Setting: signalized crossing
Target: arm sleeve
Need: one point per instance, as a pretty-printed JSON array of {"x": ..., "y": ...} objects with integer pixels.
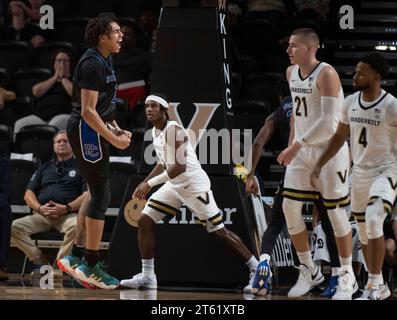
[
  {"x": 322, "y": 129},
  {"x": 391, "y": 113},
  {"x": 90, "y": 75}
]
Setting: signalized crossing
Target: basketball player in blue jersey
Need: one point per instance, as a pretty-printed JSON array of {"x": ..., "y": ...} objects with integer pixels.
[
  {"x": 185, "y": 182},
  {"x": 317, "y": 98},
  {"x": 369, "y": 117},
  {"x": 90, "y": 129},
  {"x": 278, "y": 125}
]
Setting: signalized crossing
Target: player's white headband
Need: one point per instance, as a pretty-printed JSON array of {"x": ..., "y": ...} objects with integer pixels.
[{"x": 161, "y": 101}]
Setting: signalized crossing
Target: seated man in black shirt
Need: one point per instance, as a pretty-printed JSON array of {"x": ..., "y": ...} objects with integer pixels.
[{"x": 55, "y": 193}]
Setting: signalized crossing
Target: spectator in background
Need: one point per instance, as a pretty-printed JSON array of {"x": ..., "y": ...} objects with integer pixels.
[
  {"x": 148, "y": 24},
  {"x": 6, "y": 114},
  {"x": 272, "y": 10},
  {"x": 55, "y": 193},
  {"x": 133, "y": 67},
  {"x": 20, "y": 29},
  {"x": 32, "y": 11},
  {"x": 234, "y": 14},
  {"x": 3, "y": 14},
  {"x": 52, "y": 95},
  {"x": 5, "y": 96},
  {"x": 5, "y": 216},
  {"x": 317, "y": 9}
]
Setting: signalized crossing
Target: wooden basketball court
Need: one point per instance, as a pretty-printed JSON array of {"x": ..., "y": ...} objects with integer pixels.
[{"x": 67, "y": 289}]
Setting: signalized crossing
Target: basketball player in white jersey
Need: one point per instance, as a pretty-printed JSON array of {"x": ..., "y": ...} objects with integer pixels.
[
  {"x": 185, "y": 183},
  {"x": 369, "y": 117},
  {"x": 317, "y": 98}
]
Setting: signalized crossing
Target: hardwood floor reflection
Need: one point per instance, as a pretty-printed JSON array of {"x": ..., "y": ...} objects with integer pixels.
[{"x": 66, "y": 289}]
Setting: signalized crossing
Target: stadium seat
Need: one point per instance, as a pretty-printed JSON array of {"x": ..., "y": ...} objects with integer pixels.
[
  {"x": 25, "y": 79},
  {"x": 128, "y": 8},
  {"x": 263, "y": 87},
  {"x": 71, "y": 29},
  {"x": 15, "y": 55},
  {"x": 18, "y": 108},
  {"x": 4, "y": 77},
  {"x": 5, "y": 140},
  {"x": 53, "y": 237},
  {"x": 62, "y": 9},
  {"x": 91, "y": 8},
  {"x": 36, "y": 139},
  {"x": 21, "y": 172},
  {"x": 257, "y": 37}
]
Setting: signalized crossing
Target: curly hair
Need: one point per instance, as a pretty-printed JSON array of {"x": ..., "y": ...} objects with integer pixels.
[
  {"x": 377, "y": 62},
  {"x": 99, "y": 26}
]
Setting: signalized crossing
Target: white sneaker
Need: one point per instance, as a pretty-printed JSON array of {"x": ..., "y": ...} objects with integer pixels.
[
  {"x": 347, "y": 285},
  {"x": 380, "y": 293},
  {"x": 140, "y": 281},
  {"x": 306, "y": 281},
  {"x": 248, "y": 287}
]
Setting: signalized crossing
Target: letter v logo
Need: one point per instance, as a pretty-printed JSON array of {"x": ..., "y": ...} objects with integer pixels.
[
  {"x": 199, "y": 122},
  {"x": 342, "y": 178},
  {"x": 206, "y": 200},
  {"x": 393, "y": 185}
]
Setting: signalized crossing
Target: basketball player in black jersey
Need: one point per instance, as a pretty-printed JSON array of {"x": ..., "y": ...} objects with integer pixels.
[{"x": 91, "y": 128}]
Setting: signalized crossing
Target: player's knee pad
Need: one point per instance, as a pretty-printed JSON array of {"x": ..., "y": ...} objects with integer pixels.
[
  {"x": 374, "y": 217},
  {"x": 100, "y": 199},
  {"x": 293, "y": 216},
  {"x": 362, "y": 233},
  {"x": 339, "y": 221}
]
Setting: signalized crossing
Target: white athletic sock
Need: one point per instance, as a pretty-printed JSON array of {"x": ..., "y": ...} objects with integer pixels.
[
  {"x": 148, "y": 267},
  {"x": 345, "y": 261},
  {"x": 334, "y": 272},
  {"x": 306, "y": 259},
  {"x": 375, "y": 280},
  {"x": 252, "y": 263}
]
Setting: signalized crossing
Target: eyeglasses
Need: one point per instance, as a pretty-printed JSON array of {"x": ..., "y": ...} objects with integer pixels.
[{"x": 60, "y": 171}]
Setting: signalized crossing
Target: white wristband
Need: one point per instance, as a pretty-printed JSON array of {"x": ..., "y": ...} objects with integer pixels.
[{"x": 161, "y": 178}]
